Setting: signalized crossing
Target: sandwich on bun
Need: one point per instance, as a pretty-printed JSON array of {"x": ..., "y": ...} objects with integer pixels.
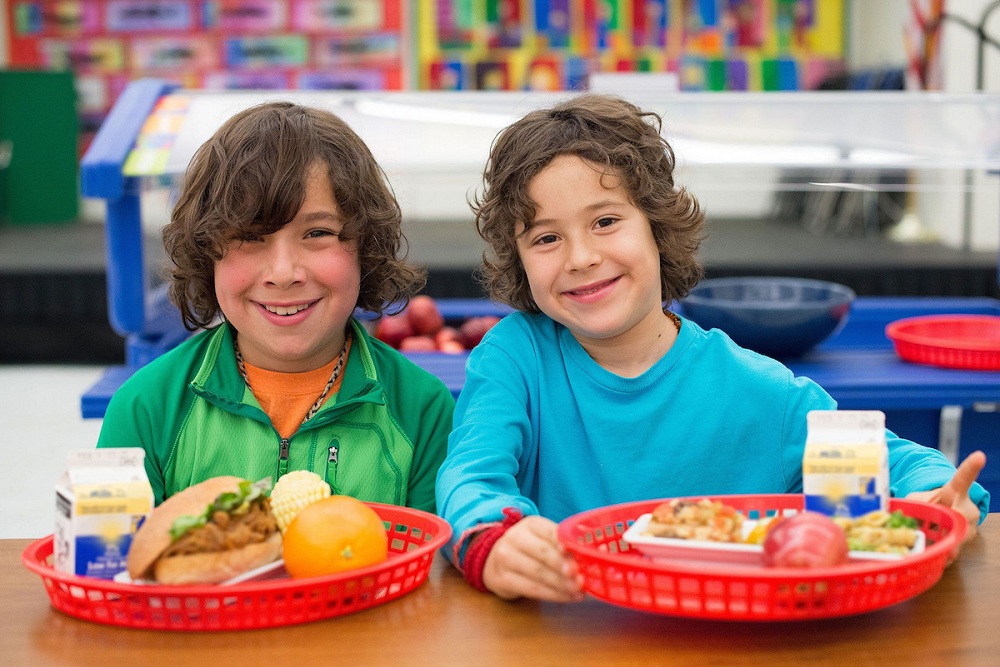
[{"x": 206, "y": 534}]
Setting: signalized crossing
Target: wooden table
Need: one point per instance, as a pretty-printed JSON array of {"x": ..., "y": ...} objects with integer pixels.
[{"x": 444, "y": 622}]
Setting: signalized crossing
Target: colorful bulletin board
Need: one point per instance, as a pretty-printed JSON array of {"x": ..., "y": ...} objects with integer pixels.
[
  {"x": 556, "y": 44},
  {"x": 424, "y": 44},
  {"x": 273, "y": 44}
]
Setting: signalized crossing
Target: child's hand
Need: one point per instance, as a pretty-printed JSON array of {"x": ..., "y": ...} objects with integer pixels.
[
  {"x": 528, "y": 561},
  {"x": 955, "y": 494}
]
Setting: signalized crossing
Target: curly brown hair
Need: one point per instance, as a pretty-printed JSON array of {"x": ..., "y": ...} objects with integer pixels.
[
  {"x": 250, "y": 178},
  {"x": 620, "y": 139}
]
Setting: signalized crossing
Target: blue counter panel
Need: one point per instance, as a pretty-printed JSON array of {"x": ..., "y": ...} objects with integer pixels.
[
  {"x": 865, "y": 379},
  {"x": 857, "y": 366}
]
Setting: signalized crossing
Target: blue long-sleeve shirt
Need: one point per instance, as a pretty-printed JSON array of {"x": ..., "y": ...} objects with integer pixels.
[{"x": 542, "y": 427}]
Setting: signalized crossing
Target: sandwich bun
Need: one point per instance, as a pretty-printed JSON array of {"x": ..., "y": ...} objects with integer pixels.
[
  {"x": 211, "y": 568},
  {"x": 153, "y": 539}
]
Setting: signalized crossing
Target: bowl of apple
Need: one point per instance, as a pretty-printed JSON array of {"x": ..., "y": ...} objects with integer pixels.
[{"x": 429, "y": 325}]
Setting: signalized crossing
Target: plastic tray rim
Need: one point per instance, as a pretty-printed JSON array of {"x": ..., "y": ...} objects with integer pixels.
[
  {"x": 109, "y": 602},
  {"x": 899, "y": 331}
]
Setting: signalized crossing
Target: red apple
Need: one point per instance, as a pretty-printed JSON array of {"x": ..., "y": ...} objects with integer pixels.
[
  {"x": 808, "y": 539},
  {"x": 447, "y": 334},
  {"x": 451, "y": 347},
  {"x": 424, "y": 315},
  {"x": 417, "y": 344},
  {"x": 392, "y": 329},
  {"x": 474, "y": 328}
]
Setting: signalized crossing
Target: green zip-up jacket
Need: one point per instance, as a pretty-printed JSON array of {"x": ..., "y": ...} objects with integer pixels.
[{"x": 381, "y": 438}]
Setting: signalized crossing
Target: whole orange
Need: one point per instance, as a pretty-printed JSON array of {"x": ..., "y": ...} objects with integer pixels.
[{"x": 332, "y": 535}]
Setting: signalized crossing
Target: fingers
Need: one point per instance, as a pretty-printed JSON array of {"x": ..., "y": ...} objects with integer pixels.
[
  {"x": 956, "y": 490},
  {"x": 516, "y": 585},
  {"x": 967, "y": 473},
  {"x": 955, "y": 493},
  {"x": 528, "y": 561}
]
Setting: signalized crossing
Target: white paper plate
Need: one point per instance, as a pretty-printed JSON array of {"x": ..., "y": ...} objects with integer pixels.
[
  {"x": 275, "y": 570},
  {"x": 671, "y": 548}
]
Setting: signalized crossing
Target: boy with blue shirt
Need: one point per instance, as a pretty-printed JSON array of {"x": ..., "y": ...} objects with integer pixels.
[{"x": 592, "y": 394}]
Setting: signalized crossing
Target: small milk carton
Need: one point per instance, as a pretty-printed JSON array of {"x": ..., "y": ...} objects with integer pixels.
[
  {"x": 845, "y": 468},
  {"x": 100, "y": 501}
]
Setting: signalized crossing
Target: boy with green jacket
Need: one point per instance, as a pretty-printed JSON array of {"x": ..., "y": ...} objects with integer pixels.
[{"x": 284, "y": 226}]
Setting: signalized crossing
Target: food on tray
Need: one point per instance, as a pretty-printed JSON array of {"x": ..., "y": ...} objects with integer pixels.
[
  {"x": 759, "y": 531},
  {"x": 807, "y": 539},
  {"x": 710, "y": 531},
  {"x": 880, "y": 532},
  {"x": 207, "y": 533},
  {"x": 698, "y": 520},
  {"x": 293, "y": 492},
  {"x": 334, "y": 535}
]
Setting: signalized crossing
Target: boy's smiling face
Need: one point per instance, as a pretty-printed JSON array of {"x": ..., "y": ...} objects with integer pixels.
[
  {"x": 590, "y": 256},
  {"x": 289, "y": 294}
]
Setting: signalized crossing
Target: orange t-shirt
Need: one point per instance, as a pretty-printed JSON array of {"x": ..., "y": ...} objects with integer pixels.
[{"x": 287, "y": 397}]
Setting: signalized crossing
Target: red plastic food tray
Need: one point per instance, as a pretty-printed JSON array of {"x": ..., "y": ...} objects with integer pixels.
[
  {"x": 414, "y": 537},
  {"x": 622, "y": 576},
  {"x": 953, "y": 341}
]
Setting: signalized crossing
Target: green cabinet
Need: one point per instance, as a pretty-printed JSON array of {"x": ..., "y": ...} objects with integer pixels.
[{"x": 39, "y": 160}]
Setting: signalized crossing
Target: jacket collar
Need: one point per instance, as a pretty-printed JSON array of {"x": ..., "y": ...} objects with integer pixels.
[{"x": 219, "y": 381}]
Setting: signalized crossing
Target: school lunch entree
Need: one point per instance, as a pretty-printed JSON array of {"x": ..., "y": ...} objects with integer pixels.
[
  {"x": 801, "y": 539},
  {"x": 225, "y": 528},
  {"x": 206, "y": 534}
]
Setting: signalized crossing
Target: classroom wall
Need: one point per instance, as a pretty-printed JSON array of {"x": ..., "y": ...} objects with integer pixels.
[{"x": 875, "y": 29}]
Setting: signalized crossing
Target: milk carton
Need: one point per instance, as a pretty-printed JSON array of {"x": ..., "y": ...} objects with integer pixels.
[
  {"x": 100, "y": 501},
  {"x": 845, "y": 468}
]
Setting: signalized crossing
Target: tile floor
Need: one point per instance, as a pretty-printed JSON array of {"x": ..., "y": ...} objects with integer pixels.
[{"x": 39, "y": 423}]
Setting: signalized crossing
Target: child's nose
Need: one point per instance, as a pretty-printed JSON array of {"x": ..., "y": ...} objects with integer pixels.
[
  {"x": 284, "y": 266},
  {"x": 583, "y": 253}
]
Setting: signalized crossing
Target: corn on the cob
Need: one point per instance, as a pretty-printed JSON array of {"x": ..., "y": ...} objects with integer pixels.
[{"x": 293, "y": 492}]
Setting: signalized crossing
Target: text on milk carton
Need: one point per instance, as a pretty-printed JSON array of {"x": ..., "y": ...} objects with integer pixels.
[
  {"x": 101, "y": 500},
  {"x": 845, "y": 468}
]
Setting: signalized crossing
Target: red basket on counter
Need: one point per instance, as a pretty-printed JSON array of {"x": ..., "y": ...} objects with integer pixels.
[
  {"x": 615, "y": 573},
  {"x": 414, "y": 537},
  {"x": 952, "y": 341}
]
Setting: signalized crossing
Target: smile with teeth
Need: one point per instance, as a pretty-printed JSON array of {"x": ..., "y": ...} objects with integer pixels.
[
  {"x": 591, "y": 289},
  {"x": 286, "y": 310}
]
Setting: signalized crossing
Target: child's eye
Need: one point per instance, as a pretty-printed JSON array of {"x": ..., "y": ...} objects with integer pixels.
[
  {"x": 606, "y": 222},
  {"x": 320, "y": 233},
  {"x": 249, "y": 237},
  {"x": 545, "y": 239}
]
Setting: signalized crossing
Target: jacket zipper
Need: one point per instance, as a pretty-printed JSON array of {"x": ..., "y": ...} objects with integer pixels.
[
  {"x": 285, "y": 445},
  {"x": 283, "y": 457},
  {"x": 332, "y": 462}
]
